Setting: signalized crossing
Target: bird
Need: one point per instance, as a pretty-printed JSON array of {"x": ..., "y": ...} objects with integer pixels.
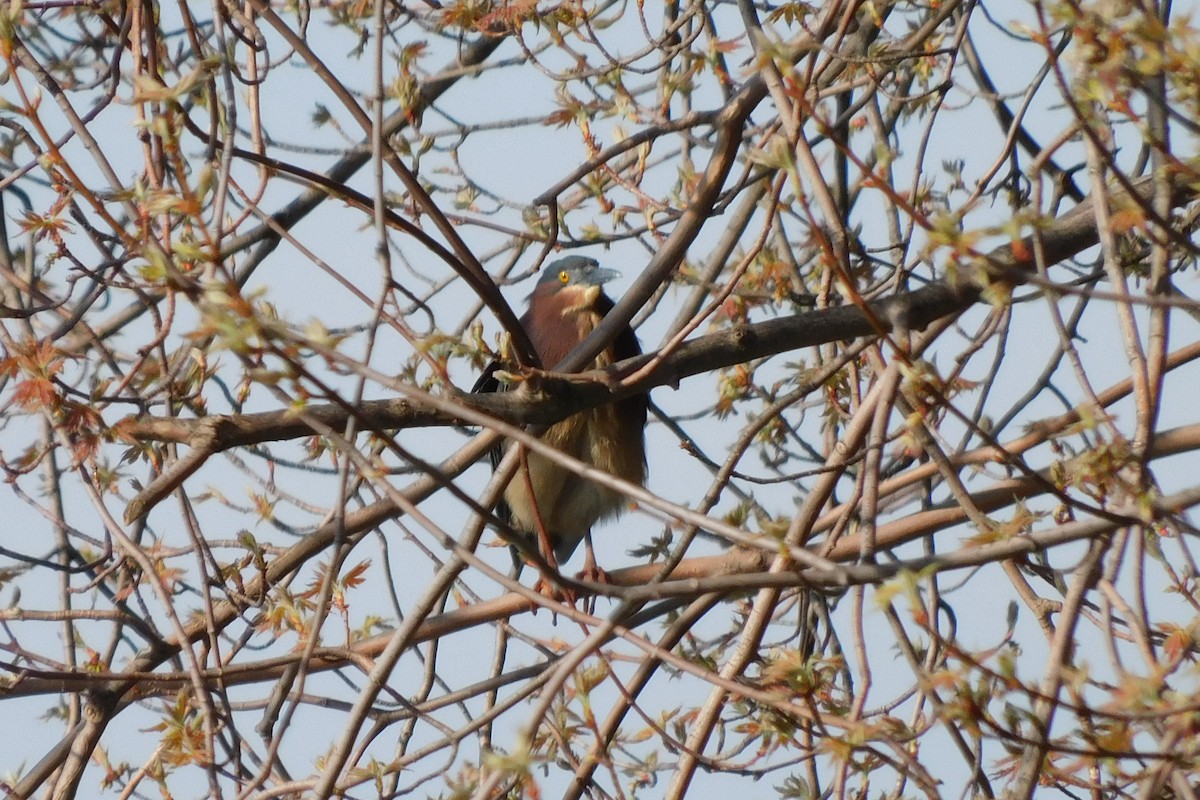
[{"x": 545, "y": 501}]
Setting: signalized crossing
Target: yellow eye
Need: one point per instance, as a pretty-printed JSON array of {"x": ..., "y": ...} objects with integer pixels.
[{"x": 564, "y": 277}]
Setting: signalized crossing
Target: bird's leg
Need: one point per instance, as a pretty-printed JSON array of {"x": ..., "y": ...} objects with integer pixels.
[
  {"x": 544, "y": 544},
  {"x": 591, "y": 570},
  {"x": 546, "y": 547}
]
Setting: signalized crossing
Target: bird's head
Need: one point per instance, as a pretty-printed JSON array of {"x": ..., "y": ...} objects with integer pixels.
[{"x": 570, "y": 284}]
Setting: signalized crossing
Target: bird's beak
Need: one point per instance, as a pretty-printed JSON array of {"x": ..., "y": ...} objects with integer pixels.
[{"x": 602, "y": 275}]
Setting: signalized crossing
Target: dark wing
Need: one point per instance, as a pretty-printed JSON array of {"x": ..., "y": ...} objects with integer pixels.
[
  {"x": 487, "y": 384},
  {"x": 635, "y": 409}
]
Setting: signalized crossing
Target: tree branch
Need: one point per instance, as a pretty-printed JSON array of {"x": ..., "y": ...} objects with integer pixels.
[{"x": 552, "y": 398}]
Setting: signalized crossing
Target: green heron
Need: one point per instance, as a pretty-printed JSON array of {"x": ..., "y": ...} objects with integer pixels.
[{"x": 544, "y": 500}]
